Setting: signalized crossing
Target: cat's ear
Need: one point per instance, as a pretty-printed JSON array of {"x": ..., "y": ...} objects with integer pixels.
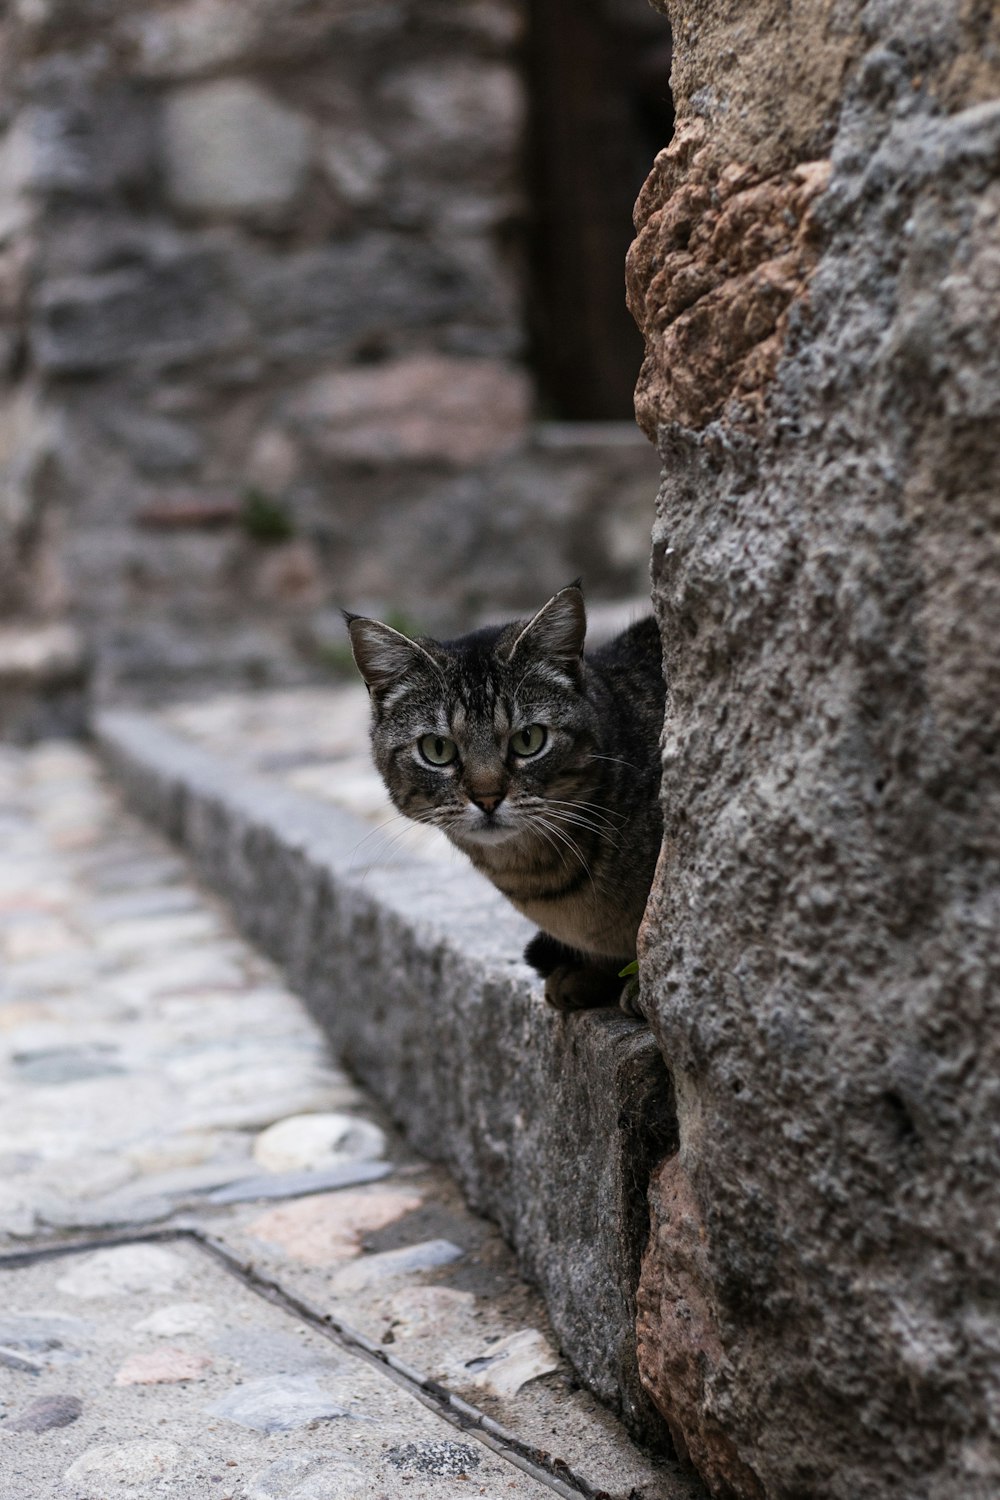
[
  {"x": 558, "y": 630},
  {"x": 383, "y": 655}
]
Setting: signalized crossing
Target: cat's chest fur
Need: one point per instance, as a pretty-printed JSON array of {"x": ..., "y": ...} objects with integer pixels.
[{"x": 587, "y": 921}]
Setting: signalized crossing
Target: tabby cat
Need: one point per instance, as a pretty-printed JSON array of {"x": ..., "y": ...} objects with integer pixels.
[{"x": 539, "y": 763}]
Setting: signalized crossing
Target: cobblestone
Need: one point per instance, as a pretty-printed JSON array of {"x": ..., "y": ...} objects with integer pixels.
[{"x": 156, "y": 1070}]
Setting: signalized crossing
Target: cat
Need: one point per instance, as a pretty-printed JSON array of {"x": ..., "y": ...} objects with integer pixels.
[{"x": 542, "y": 765}]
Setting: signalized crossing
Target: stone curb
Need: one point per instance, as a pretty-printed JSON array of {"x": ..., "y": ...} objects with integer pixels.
[{"x": 549, "y": 1124}]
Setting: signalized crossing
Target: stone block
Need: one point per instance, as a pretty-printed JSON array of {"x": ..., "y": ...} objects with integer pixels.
[
  {"x": 171, "y": 310},
  {"x": 355, "y": 163},
  {"x": 201, "y": 37},
  {"x": 80, "y": 143},
  {"x": 428, "y": 408},
  {"x": 459, "y": 113},
  {"x": 231, "y": 150},
  {"x": 156, "y": 445},
  {"x": 369, "y": 294}
]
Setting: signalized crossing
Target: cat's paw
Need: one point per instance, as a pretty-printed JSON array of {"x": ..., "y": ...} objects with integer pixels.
[{"x": 580, "y": 987}]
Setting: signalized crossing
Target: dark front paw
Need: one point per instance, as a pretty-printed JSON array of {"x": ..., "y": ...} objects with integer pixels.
[{"x": 581, "y": 987}]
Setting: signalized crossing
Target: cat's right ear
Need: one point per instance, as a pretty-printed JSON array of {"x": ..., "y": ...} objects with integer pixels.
[
  {"x": 558, "y": 629},
  {"x": 383, "y": 655}
]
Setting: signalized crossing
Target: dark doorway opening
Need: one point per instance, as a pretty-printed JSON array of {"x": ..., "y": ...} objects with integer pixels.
[{"x": 599, "y": 81}]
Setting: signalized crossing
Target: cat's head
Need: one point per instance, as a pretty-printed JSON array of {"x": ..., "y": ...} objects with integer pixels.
[{"x": 487, "y": 736}]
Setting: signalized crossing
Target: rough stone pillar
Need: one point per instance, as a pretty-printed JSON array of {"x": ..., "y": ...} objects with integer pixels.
[{"x": 817, "y": 273}]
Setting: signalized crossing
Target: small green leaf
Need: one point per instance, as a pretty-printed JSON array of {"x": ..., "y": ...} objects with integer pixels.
[{"x": 632, "y": 968}]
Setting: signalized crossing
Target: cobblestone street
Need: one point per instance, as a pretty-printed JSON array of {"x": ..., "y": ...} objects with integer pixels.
[{"x": 224, "y": 1275}]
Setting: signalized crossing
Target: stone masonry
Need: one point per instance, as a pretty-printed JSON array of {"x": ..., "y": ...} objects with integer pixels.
[
  {"x": 263, "y": 335},
  {"x": 817, "y": 273}
]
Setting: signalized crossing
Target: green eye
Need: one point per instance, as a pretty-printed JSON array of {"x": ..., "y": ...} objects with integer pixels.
[
  {"x": 530, "y": 740},
  {"x": 438, "y": 750}
]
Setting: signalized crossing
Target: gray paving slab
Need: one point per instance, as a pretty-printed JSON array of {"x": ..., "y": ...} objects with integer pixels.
[
  {"x": 411, "y": 963},
  {"x": 247, "y": 1401},
  {"x": 301, "y": 1307}
]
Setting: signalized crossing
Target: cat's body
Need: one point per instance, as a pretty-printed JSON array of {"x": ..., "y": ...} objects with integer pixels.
[{"x": 539, "y": 763}]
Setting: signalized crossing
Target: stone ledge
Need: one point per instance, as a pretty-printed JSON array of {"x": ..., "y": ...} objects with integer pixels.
[{"x": 549, "y": 1124}]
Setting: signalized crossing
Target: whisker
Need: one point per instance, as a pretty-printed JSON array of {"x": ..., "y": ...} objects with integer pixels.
[
  {"x": 615, "y": 760},
  {"x": 569, "y": 812},
  {"x": 595, "y": 829},
  {"x": 429, "y": 818},
  {"x": 570, "y": 843},
  {"x": 552, "y": 845},
  {"x": 585, "y": 809}
]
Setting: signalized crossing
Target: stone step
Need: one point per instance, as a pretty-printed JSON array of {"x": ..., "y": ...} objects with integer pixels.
[{"x": 412, "y": 966}]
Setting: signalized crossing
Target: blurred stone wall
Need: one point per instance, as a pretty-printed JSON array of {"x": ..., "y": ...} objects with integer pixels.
[
  {"x": 263, "y": 334},
  {"x": 817, "y": 272}
]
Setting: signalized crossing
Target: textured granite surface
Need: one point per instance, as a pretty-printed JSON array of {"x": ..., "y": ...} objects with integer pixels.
[{"x": 817, "y": 1313}]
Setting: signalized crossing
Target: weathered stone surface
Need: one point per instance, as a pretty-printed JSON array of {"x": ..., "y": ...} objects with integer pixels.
[
  {"x": 167, "y": 1366},
  {"x": 818, "y": 958},
  {"x": 355, "y": 162},
  {"x": 370, "y": 1270},
  {"x": 231, "y": 149},
  {"x": 122, "y": 1270},
  {"x": 327, "y": 1228},
  {"x": 679, "y": 1346},
  {"x": 280, "y": 1403},
  {"x": 424, "y": 407},
  {"x": 179, "y": 1318},
  {"x": 300, "y": 1184},
  {"x": 719, "y": 259},
  {"x": 511, "y": 1362},
  {"x": 125, "y": 1465},
  {"x": 312, "y": 1142},
  {"x": 46, "y": 1413},
  {"x": 298, "y": 1476},
  {"x": 173, "y": 310},
  {"x": 375, "y": 290},
  {"x": 549, "y": 1125},
  {"x": 457, "y": 115}
]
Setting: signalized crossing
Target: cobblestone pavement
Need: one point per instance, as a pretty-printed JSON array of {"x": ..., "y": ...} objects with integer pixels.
[{"x": 263, "y": 1274}]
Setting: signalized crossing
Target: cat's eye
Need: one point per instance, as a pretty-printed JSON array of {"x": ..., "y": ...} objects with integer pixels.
[
  {"x": 530, "y": 740},
  {"x": 437, "y": 749}
]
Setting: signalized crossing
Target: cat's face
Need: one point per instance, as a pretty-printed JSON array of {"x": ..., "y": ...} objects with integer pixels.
[{"x": 489, "y": 737}]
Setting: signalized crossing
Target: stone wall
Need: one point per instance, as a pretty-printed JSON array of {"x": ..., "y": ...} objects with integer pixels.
[
  {"x": 817, "y": 273},
  {"x": 262, "y": 333}
]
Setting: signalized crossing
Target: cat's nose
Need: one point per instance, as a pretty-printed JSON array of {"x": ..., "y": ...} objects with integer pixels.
[{"x": 488, "y": 801}]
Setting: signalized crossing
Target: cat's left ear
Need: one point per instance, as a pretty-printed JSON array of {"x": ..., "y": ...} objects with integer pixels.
[
  {"x": 558, "y": 630},
  {"x": 383, "y": 655}
]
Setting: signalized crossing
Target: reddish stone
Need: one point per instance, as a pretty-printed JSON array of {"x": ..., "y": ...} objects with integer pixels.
[
  {"x": 328, "y": 1227},
  {"x": 718, "y": 260},
  {"x": 162, "y": 1367},
  {"x": 189, "y": 511},
  {"x": 679, "y": 1348}
]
